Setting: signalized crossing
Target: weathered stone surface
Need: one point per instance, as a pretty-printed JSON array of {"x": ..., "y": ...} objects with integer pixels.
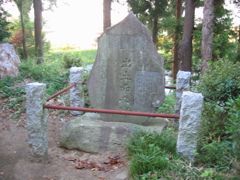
[
  {"x": 89, "y": 133},
  {"x": 183, "y": 84},
  {"x": 128, "y": 72},
  {"x": 76, "y": 92},
  {"x": 36, "y": 122},
  {"x": 190, "y": 121},
  {"x": 9, "y": 60}
]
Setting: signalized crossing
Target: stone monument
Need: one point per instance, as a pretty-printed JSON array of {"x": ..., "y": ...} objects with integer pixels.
[
  {"x": 128, "y": 73},
  {"x": 9, "y": 61}
]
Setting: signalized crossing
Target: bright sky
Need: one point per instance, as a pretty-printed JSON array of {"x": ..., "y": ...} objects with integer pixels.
[{"x": 79, "y": 23}]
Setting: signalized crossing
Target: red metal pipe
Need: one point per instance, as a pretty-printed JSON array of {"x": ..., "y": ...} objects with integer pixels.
[
  {"x": 60, "y": 92},
  {"x": 170, "y": 87},
  {"x": 113, "y": 111}
]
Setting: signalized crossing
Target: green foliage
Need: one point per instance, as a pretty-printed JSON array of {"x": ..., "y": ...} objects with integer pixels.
[
  {"x": 220, "y": 82},
  {"x": 52, "y": 73},
  {"x": 150, "y": 152},
  {"x": 4, "y": 24},
  {"x": 7, "y": 88},
  {"x": 16, "y": 38},
  {"x": 219, "y": 143},
  {"x": 88, "y": 56},
  {"x": 168, "y": 106},
  {"x": 233, "y": 124},
  {"x": 224, "y": 37},
  {"x": 219, "y": 135},
  {"x": 72, "y": 60}
]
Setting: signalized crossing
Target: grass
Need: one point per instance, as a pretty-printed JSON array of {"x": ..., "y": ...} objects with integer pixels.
[
  {"x": 88, "y": 56},
  {"x": 52, "y": 72},
  {"x": 153, "y": 156},
  {"x": 168, "y": 106}
]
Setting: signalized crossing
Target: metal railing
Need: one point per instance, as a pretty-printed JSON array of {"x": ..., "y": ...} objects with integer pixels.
[{"x": 108, "y": 111}]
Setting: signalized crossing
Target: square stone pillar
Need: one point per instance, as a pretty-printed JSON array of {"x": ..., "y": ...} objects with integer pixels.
[
  {"x": 189, "y": 124},
  {"x": 76, "y": 92},
  {"x": 37, "y": 122}
]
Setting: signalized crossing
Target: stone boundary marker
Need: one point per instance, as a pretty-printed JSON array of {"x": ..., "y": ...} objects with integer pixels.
[
  {"x": 190, "y": 122},
  {"x": 76, "y": 92},
  {"x": 190, "y": 119},
  {"x": 37, "y": 122},
  {"x": 183, "y": 84}
]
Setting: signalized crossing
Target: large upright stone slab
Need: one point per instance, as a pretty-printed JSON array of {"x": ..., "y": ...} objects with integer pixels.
[
  {"x": 128, "y": 72},
  {"x": 9, "y": 60}
]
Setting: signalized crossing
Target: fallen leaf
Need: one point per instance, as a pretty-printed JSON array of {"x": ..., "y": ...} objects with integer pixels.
[
  {"x": 153, "y": 176},
  {"x": 100, "y": 177}
]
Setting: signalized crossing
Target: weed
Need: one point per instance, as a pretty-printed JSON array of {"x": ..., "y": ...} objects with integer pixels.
[
  {"x": 169, "y": 103},
  {"x": 72, "y": 60},
  {"x": 150, "y": 151}
]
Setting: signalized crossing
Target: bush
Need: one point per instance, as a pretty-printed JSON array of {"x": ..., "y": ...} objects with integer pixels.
[
  {"x": 150, "y": 152},
  {"x": 220, "y": 82},
  {"x": 169, "y": 103},
  {"x": 72, "y": 60},
  {"x": 51, "y": 73},
  {"x": 218, "y": 142},
  {"x": 4, "y": 24},
  {"x": 7, "y": 88}
]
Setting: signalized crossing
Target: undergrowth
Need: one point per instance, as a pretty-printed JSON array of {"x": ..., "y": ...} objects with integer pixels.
[
  {"x": 54, "y": 72},
  {"x": 153, "y": 156}
]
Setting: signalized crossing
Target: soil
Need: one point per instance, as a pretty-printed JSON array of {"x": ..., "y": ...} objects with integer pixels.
[{"x": 62, "y": 164}]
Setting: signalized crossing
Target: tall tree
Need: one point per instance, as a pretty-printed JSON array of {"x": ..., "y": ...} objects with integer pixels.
[
  {"x": 37, "y": 5},
  {"x": 207, "y": 34},
  {"x": 24, "y": 7},
  {"x": 149, "y": 12},
  {"x": 178, "y": 12},
  {"x": 106, "y": 14},
  {"x": 185, "y": 47},
  {"x": 4, "y": 30}
]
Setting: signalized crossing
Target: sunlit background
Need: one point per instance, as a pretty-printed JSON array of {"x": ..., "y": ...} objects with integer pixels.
[
  {"x": 75, "y": 23},
  {"x": 78, "y": 23}
]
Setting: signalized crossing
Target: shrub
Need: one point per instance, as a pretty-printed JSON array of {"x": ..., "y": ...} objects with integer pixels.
[
  {"x": 150, "y": 152},
  {"x": 169, "y": 103},
  {"x": 4, "y": 31},
  {"x": 220, "y": 82},
  {"x": 7, "y": 88},
  {"x": 218, "y": 145},
  {"x": 72, "y": 60},
  {"x": 51, "y": 73}
]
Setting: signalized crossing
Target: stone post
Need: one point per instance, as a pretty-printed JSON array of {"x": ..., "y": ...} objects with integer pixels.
[
  {"x": 37, "y": 122},
  {"x": 76, "y": 92},
  {"x": 183, "y": 84},
  {"x": 189, "y": 124}
]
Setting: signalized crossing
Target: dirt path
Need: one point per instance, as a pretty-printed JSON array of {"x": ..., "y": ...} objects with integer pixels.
[{"x": 63, "y": 164}]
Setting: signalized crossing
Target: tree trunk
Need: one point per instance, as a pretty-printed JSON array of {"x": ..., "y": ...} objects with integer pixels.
[
  {"x": 25, "y": 55},
  {"x": 185, "y": 48},
  {"x": 37, "y": 5},
  {"x": 238, "y": 52},
  {"x": 175, "y": 64},
  {"x": 207, "y": 34},
  {"x": 106, "y": 14},
  {"x": 155, "y": 31}
]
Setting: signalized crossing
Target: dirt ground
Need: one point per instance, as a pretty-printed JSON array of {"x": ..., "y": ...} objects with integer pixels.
[{"x": 63, "y": 164}]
